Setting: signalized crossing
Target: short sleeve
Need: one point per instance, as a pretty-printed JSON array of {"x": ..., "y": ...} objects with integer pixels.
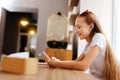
[{"x": 99, "y": 40}]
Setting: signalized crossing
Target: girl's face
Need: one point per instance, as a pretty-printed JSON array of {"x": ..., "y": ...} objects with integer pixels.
[{"x": 82, "y": 28}]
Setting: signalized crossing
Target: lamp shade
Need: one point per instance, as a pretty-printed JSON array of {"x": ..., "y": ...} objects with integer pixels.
[{"x": 57, "y": 30}]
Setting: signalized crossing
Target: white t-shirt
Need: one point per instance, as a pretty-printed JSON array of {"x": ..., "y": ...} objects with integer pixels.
[{"x": 96, "y": 67}]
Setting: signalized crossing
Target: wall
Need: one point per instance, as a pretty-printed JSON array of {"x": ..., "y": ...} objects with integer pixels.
[
  {"x": 103, "y": 10},
  {"x": 45, "y": 9}
]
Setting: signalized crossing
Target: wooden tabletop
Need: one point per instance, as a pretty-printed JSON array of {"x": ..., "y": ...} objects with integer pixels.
[{"x": 46, "y": 73}]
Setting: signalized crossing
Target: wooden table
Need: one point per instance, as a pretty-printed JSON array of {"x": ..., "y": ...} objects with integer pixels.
[{"x": 46, "y": 73}]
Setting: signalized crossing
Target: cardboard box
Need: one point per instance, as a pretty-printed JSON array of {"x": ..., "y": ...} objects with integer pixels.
[{"x": 20, "y": 65}]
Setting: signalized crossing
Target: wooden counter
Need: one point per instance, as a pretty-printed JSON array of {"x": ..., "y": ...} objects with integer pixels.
[
  {"x": 62, "y": 54},
  {"x": 46, "y": 73}
]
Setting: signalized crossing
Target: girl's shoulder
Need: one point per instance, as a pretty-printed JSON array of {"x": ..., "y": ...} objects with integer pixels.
[
  {"x": 98, "y": 35},
  {"x": 99, "y": 40}
]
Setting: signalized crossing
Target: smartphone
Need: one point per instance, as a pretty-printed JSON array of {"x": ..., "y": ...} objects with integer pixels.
[{"x": 46, "y": 55}]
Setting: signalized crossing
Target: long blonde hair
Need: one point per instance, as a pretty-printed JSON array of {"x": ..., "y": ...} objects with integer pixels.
[{"x": 111, "y": 68}]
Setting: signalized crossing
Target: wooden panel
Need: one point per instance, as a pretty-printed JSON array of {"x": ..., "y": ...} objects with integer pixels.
[
  {"x": 61, "y": 54},
  {"x": 50, "y": 52}
]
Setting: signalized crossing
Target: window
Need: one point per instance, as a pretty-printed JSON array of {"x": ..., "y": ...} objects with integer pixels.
[{"x": 116, "y": 28}]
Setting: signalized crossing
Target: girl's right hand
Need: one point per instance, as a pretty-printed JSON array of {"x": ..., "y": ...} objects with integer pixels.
[{"x": 52, "y": 62}]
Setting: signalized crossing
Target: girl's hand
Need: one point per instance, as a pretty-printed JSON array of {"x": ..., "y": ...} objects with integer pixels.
[
  {"x": 52, "y": 62},
  {"x": 55, "y": 59}
]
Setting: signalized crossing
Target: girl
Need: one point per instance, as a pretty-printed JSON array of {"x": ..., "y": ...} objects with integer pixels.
[{"x": 97, "y": 55}]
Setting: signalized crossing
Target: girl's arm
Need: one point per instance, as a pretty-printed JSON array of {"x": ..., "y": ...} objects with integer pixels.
[
  {"x": 78, "y": 65},
  {"x": 80, "y": 57}
]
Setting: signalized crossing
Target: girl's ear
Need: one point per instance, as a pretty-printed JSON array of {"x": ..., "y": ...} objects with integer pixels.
[{"x": 91, "y": 26}]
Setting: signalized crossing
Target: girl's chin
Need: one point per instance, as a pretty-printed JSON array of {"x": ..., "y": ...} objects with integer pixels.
[{"x": 81, "y": 38}]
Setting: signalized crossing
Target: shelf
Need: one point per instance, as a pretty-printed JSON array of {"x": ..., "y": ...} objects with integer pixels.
[{"x": 73, "y": 3}]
